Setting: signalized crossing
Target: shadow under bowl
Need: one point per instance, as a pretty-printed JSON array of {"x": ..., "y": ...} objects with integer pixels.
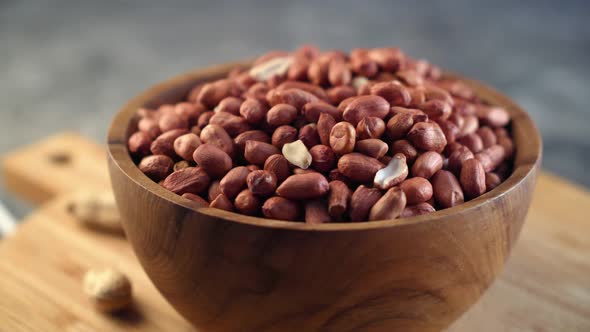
[{"x": 224, "y": 271}]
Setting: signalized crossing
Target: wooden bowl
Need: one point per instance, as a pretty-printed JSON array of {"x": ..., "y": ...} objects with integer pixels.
[{"x": 228, "y": 272}]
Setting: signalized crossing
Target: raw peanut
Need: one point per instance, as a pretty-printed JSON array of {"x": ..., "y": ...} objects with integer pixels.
[
  {"x": 188, "y": 180},
  {"x": 488, "y": 138},
  {"x": 164, "y": 144},
  {"x": 156, "y": 167},
  {"x": 492, "y": 181},
  {"x": 457, "y": 89},
  {"x": 450, "y": 130},
  {"x": 359, "y": 167},
  {"x": 417, "y": 210},
  {"x": 213, "y": 160},
  {"x": 470, "y": 125},
  {"x": 472, "y": 141},
  {"x": 491, "y": 157},
  {"x": 323, "y": 158},
  {"x": 204, "y": 119},
  {"x": 370, "y": 127},
  {"x": 170, "y": 121},
  {"x": 280, "y": 208},
  {"x": 399, "y": 125},
  {"x": 196, "y": 198},
  {"x": 308, "y": 134},
  {"x": 427, "y": 136},
  {"x": 278, "y": 165},
  {"x": 362, "y": 64},
  {"x": 303, "y": 186},
  {"x": 396, "y": 95},
  {"x": 295, "y": 97},
  {"x": 325, "y": 124},
  {"x": 361, "y": 202},
  {"x": 336, "y": 175},
  {"x": 363, "y": 106},
  {"x": 432, "y": 92},
  {"x": 508, "y": 145},
  {"x": 217, "y": 136},
  {"x": 338, "y": 72},
  {"x": 417, "y": 96},
  {"x": 317, "y": 71},
  {"x": 144, "y": 113},
  {"x": 464, "y": 108},
  {"x": 299, "y": 122},
  {"x": 212, "y": 93},
  {"x": 297, "y": 154},
  {"x": 262, "y": 182},
  {"x": 372, "y": 147},
  {"x": 229, "y": 105},
  {"x": 316, "y": 212},
  {"x": 457, "y": 119},
  {"x": 417, "y": 190},
  {"x": 452, "y": 147},
  {"x": 390, "y": 59},
  {"x": 181, "y": 165},
  {"x": 394, "y": 173},
  {"x": 185, "y": 145},
  {"x": 342, "y": 138},
  {"x": 313, "y": 89},
  {"x": 222, "y": 202},
  {"x": 194, "y": 93},
  {"x": 253, "y": 110},
  {"x": 436, "y": 109},
  {"x": 214, "y": 190},
  {"x": 390, "y": 206},
  {"x": 257, "y": 91},
  {"x": 493, "y": 116},
  {"x": 243, "y": 80},
  {"x": 457, "y": 158},
  {"x": 503, "y": 170},
  {"x": 307, "y": 51},
  {"x": 339, "y": 93},
  {"x": 247, "y": 203},
  {"x": 312, "y": 111},
  {"x": 196, "y": 130},
  {"x": 281, "y": 114},
  {"x": 97, "y": 211},
  {"x": 139, "y": 144},
  {"x": 275, "y": 67},
  {"x": 473, "y": 178},
  {"x": 447, "y": 190},
  {"x": 232, "y": 124},
  {"x": 164, "y": 109},
  {"x": 283, "y": 135},
  {"x": 427, "y": 164},
  {"x": 108, "y": 289},
  {"x": 406, "y": 148},
  {"x": 234, "y": 181},
  {"x": 298, "y": 69},
  {"x": 410, "y": 77},
  {"x": 150, "y": 127},
  {"x": 385, "y": 159},
  {"x": 338, "y": 198},
  {"x": 250, "y": 135},
  {"x": 257, "y": 152}
]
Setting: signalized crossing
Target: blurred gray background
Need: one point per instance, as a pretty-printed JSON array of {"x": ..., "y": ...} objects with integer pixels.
[{"x": 70, "y": 65}]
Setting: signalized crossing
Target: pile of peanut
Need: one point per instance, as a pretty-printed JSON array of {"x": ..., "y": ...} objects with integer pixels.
[{"x": 327, "y": 137}]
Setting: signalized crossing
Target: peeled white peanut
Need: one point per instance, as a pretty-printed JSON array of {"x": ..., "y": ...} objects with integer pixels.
[
  {"x": 109, "y": 289},
  {"x": 392, "y": 174},
  {"x": 273, "y": 67},
  {"x": 97, "y": 210},
  {"x": 297, "y": 154}
]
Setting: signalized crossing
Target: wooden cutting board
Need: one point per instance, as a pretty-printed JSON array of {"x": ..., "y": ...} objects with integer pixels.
[{"x": 545, "y": 285}]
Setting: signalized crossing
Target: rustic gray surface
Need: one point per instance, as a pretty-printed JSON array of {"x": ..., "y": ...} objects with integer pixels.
[{"x": 66, "y": 65}]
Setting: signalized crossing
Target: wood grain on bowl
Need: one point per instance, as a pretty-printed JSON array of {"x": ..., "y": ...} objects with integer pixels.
[{"x": 228, "y": 272}]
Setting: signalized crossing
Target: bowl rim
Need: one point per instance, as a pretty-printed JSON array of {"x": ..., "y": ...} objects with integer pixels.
[{"x": 527, "y": 141}]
